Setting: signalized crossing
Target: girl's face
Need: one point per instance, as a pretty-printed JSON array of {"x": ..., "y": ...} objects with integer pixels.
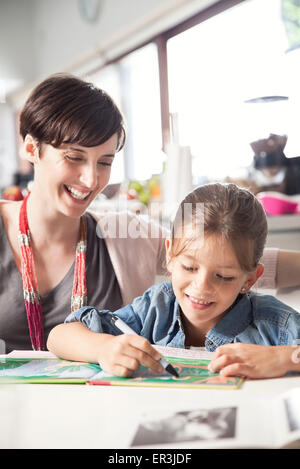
[
  {"x": 68, "y": 178},
  {"x": 206, "y": 282}
]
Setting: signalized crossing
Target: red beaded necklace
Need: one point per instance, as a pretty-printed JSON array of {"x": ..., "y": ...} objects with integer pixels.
[{"x": 32, "y": 297}]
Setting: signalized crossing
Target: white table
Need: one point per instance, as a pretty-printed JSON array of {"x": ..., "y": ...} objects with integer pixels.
[{"x": 83, "y": 416}]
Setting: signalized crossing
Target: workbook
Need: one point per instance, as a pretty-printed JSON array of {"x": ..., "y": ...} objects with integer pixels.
[
  {"x": 193, "y": 372},
  {"x": 259, "y": 422}
]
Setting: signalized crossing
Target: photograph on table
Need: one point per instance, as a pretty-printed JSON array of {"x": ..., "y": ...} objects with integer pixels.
[{"x": 191, "y": 425}]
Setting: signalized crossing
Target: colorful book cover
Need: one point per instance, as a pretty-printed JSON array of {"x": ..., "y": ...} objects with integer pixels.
[
  {"x": 45, "y": 370},
  {"x": 193, "y": 373}
]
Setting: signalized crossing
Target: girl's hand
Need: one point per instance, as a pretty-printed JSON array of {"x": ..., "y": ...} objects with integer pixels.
[
  {"x": 123, "y": 354},
  {"x": 254, "y": 361}
]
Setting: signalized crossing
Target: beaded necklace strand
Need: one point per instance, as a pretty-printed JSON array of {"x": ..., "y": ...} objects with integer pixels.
[{"x": 32, "y": 297}]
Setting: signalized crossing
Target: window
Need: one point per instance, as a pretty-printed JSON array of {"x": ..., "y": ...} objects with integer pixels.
[
  {"x": 213, "y": 68},
  {"x": 133, "y": 82},
  {"x": 209, "y": 72},
  {"x": 108, "y": 80}
]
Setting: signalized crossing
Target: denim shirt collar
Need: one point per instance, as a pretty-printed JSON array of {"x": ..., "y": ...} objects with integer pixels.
[
  {"x": 179, "y": 339},
  {"x": 235, "y": 322},
  {"x": 224, "y": 332}
]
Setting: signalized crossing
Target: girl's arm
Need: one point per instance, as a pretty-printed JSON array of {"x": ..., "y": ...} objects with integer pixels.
[
  {"x": 255, "y": 361},
  {"x": 288, "y": 269},
  {"x": 120, "y": 355},
  {"x": 282, "y": 269}
]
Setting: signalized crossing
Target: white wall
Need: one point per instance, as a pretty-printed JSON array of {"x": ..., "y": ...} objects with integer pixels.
[
  {"x": 17, "y": 45},
  {"x": 8, "y": 151},
  {"x": 62, "y": 41},
  {"x": 40, "y": 37},
  {"x": 72, "y": 38},
  {"x": 64, "y": 38}
]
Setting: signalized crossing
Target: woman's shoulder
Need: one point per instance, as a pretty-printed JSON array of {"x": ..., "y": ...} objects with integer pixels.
[
  {"x": 128, "y": 227},
  {"x": 9, "y": 207},
  {"x": 9, "y": 212}
]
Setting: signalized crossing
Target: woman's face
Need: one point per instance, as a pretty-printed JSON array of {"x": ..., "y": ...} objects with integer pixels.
[{"x": 70, "y": 177}]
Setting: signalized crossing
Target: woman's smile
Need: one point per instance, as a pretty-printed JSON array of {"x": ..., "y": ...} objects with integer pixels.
[{"x": 76, "y": 194}]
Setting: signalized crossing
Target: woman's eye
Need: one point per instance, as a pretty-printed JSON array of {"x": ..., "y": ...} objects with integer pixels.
[
  {"x": 73, "y": 158},
  {"x": 104, "y": 163},
  {"x": 227, "y": 279}
]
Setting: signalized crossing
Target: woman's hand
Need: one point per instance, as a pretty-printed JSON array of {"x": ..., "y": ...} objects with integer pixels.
[
  {"x": 254, "y": 361},
  {"x": 123, "y": 354}
]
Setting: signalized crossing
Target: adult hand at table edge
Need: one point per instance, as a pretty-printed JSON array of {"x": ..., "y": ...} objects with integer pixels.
[{"x": 255, "y": 361}]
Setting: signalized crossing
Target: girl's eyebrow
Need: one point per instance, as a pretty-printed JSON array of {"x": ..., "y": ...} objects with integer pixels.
[
  {"x": 193, "y": 258},
  {"x": 189, "y": 256}
]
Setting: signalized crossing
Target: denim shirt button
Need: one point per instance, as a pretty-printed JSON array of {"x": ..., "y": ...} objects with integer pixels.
[{"x": 210, "y": 343}]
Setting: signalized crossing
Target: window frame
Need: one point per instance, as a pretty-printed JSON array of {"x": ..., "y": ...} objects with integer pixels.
[{"x": 161, "y": 43}]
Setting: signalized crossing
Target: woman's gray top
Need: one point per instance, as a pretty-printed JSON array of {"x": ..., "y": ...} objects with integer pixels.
[{"x": 102, "y": 286}]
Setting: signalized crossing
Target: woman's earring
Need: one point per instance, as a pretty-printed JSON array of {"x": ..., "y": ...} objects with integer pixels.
[{"x": 243, "y": 290}]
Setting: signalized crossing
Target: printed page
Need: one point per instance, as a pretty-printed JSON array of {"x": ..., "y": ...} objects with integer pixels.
[
  {"x": 255, "y": 424},
  {"x": 166, "y": 351},
  {"x": 226, "y": 425},
  {"x": 184, "y": 353},
  {"x": 51, "y": 368},
  {"x": 29, "y": 354},
  {"x": 286, "y": 418}
]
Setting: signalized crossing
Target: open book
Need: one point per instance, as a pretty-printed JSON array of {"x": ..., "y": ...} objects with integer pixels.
[
  {"x": 256, "y": 423},
  {"x": 191, "y": 366}
]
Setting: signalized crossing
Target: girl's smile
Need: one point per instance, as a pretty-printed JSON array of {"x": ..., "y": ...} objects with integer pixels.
[{"x": 198, "y": 303}]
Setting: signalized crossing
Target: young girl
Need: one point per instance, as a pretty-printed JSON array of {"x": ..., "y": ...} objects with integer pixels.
[{"x": 213, "y": 254}]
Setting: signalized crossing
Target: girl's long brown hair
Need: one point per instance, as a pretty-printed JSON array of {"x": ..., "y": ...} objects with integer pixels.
[{"x": 227, "y": 210}]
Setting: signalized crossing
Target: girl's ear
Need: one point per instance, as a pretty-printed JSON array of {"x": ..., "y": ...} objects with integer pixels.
[
  {"x": 253, "y": 277},
  {"x": 30, "y": 149}
]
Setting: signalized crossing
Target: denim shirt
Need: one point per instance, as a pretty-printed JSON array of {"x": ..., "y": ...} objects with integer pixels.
[{"x": 156, "y": 315}]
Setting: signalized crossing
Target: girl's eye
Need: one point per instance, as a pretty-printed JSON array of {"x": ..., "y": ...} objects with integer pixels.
[
  {"x": 188, "y": 268},
  {"x": 104, "y": 163},
  {"x": 227, "y": 279}
]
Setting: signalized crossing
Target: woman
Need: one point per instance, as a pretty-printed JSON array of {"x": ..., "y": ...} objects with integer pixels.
[
  {"x": 71, "y": 132},
  {"x": 53, "y": 254}
]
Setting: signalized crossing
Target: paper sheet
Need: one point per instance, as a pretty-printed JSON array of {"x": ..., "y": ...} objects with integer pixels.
[{"x": 184, "y": 353}]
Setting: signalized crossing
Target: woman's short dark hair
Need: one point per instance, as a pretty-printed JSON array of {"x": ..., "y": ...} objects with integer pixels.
[{"x": 67, "y": 109}]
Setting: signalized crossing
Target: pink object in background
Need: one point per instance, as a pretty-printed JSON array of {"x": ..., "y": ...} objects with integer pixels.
[{"x": 276, "y": 203}]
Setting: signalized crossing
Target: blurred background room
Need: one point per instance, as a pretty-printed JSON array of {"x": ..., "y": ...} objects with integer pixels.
[{"x": 209, "y": 90}]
